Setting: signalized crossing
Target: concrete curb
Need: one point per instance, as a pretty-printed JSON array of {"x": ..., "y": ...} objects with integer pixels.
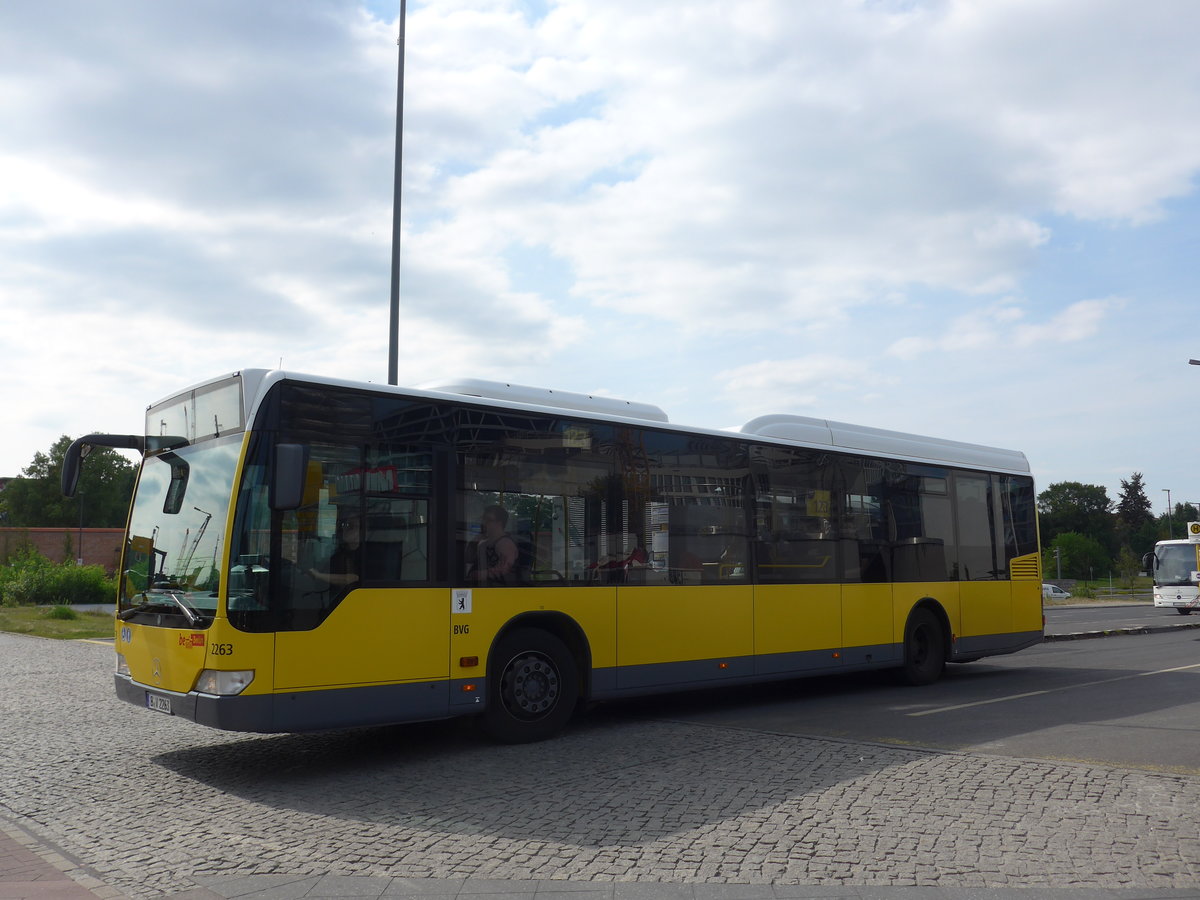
[{"x": 1118, "y": 632}]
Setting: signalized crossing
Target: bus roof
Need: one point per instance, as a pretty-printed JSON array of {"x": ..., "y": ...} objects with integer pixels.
[
  {"x": 803, "y": 430},
  {"x": 519, "y": 393},
  {"x": 776, "y": 429}
]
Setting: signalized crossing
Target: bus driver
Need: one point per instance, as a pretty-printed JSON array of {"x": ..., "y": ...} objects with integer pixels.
[{"x": 343, "y": 564}]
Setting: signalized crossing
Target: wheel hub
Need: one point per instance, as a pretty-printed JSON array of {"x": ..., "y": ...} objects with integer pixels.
[{"x": 533, "y": 685}]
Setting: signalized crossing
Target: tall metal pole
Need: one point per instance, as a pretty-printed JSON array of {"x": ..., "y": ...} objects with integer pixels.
[
  {"x": 394, "y": 320},
  {"x": 1170, "y": 523}
]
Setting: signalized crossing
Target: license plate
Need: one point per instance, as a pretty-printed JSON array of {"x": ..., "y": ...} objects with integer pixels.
[{"x": 157, "y": 703}]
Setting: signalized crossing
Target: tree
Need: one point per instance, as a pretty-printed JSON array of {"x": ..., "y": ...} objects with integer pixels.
[
  {"x": 1133, "y": 507},
  {"x": 1128, "y": 566},
  {"x": 1134, "y": 514},
  {"x": 1084, "y": 509},
  {"x": 1149, "y": 534},
  {"x": 1080, "y": 556},
  {"x": 1186, "y": 512},
  {"x": 35, "y": 500}
]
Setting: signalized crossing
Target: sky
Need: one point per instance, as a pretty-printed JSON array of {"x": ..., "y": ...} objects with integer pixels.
[{"x": 971, "y": 219}]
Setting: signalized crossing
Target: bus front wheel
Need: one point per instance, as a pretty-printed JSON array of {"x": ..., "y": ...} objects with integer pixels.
[
  {"x": 924, "y": 648},
  {"x": 532, "y": 689}
]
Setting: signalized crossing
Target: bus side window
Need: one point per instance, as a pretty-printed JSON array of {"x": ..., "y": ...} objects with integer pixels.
[
  {"x": 866, "y": 555},
  {"x": 397, "y": 481},
  {"x": 320, "y": 539},
  {"x": 397, "y": 544},
  {"x": 796, "y": 522},
  {"x": 701, "y": 484},
  {"x": 976, "y": 542}
]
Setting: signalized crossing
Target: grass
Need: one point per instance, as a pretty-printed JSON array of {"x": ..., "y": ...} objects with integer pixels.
[
  {"x": 51, "y": 622},
  {"x": 1116, "y": 591}
]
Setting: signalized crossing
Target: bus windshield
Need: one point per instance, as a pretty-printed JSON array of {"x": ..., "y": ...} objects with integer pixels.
[
  {"x": 1175, "y": 563},
  {"x": 172, "y": 553}
]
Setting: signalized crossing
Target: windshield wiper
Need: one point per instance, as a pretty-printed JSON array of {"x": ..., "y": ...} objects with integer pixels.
[{"x": 153, "y": 601}]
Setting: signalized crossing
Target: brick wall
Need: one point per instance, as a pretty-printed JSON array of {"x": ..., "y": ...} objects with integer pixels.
[{"x": 101, "y": 546}]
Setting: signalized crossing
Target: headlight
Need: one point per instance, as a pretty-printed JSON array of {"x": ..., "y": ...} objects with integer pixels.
[
  {"x": 224, "y": 684},
  {"x": 122, "y": 666}
]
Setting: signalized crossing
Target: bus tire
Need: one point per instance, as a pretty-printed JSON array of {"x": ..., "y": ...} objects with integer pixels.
[
  {"x": 924, "y": 648},
  {"x": 532, "y": 688}
]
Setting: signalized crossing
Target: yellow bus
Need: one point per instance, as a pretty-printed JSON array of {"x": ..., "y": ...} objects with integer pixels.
[{"x": 307, "y": 553}]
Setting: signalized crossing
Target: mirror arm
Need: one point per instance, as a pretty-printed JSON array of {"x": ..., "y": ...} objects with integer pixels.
[{"x": 73, "y": 461}]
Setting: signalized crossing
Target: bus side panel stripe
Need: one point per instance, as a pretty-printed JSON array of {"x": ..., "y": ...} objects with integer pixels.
[
  {"x": 670, "y": 675},
  {"x": 654, "y": 677},
  {"x": 371, "y": 705}
]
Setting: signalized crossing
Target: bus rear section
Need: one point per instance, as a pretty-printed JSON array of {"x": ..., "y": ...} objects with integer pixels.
[{"x": 1175, "y": 568}]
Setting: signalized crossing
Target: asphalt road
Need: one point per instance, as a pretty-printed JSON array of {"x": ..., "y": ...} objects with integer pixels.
[
  {"x": 1100, "y": 617},
  {"x": 1125, "y": 701}
]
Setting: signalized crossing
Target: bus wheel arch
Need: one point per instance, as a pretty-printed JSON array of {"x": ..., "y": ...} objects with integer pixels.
[
  {"x": 926, "y": 643},
  {"x": 535, "y": 678}
]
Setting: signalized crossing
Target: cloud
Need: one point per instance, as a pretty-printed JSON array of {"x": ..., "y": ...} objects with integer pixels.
[
  {"x": 1077, "y": 322},
  {"x": 1005, "y": 324},
  {"x": 819, "y": 157},
  {"x": 767, "y": 165},
  {"x": 813, "y": 382}
]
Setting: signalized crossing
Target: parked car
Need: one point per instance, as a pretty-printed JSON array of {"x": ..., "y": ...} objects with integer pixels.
[{"x": 1054, "y": 592}]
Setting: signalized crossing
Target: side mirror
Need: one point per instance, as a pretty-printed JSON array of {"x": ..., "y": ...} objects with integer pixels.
[
  {"x": 289, "y": 476},
  {"x": 73, "y": 461},
  {"x": 1148, "y": 562},
  {"x": 180, "y": 472}
]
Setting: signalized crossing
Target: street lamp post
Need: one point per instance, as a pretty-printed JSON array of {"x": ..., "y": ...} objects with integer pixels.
[
  {"x": 1170, "y": 523},
  {"x": 79, "y": 549},
  {"x": 394, "y": 307}
]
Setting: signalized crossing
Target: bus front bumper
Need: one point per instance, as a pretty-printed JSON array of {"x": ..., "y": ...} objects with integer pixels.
[
  {"x": 303, "y": 710},
  {"x": 249, "y": 713},
  {"x": 1167, "y": 601}
]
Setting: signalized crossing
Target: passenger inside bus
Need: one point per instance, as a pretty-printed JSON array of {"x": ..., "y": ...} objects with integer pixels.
[
  {"x": 343, "y": 562},
  {"x": 493, "y": 554},
  {"x": 616, "y": 568}
]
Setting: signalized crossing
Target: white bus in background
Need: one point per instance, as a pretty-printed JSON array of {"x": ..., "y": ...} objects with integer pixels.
[{"x": 1175, "y": 568}]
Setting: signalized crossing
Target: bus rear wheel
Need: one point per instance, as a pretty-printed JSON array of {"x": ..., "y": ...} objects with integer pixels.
[
  {"x": 924, "y": 648},
  {"x": 532, "y": 689}
]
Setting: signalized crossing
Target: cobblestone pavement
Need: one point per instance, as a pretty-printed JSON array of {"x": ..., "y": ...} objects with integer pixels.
[{"x": 154, "y": 806}]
